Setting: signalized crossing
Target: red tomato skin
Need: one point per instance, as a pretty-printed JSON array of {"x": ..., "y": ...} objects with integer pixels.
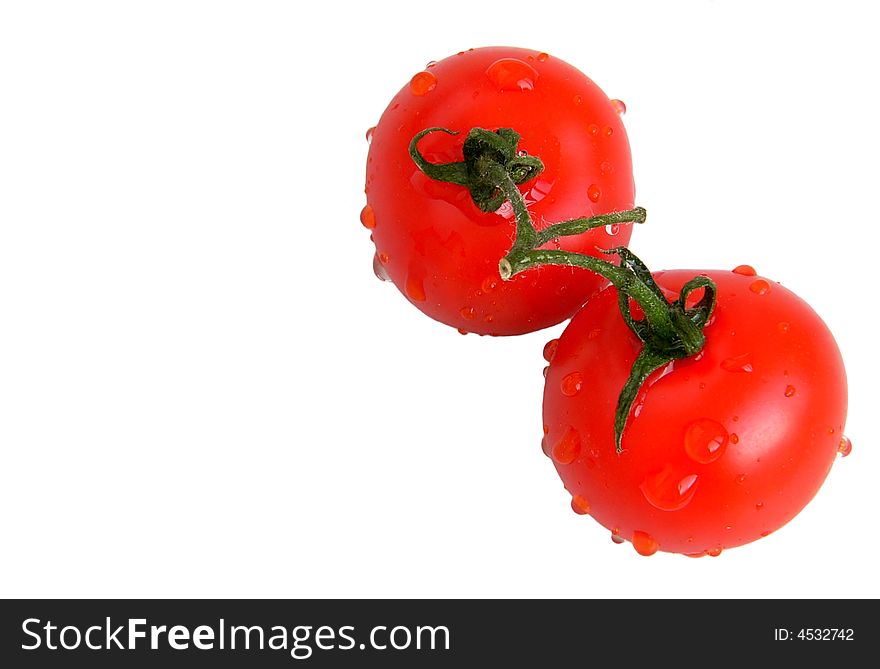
[
  {"x": 770, "y": 376},
  {"x": 437, "y": 247}
]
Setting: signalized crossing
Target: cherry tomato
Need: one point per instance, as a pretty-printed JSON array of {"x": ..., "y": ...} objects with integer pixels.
[
  {"x": 436, "y": 245},
  {"x": 719, "y": 449}
]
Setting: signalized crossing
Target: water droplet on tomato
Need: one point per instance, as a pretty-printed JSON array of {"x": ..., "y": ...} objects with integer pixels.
[
  {"x": 608, "y": 131},
  {"x": 713, "y": 552},
  {"x": 568, "y": 448},
  {"x": 550, "y": 349},
  {"x": 580, "y": 505},
  {"x": 612, "y": 229},
  {"x": 577, "y": 99},
  {"x": 705, "y": 440},
  {"x": 489, "y": 284},
  {"x": 594, "y": 193},
  {"x": 734, "y": 438},
  {"x": 783, "y": 327},
  {"x": 431, "y": 63},
  {"x": 415, "y": 289},
  {"x": 844, "y": 447},
  {"x": 594, "y": 333},
  {"x": 738, "y": 363},
  {"x": 379, "y": 269},
  {"x": 370, "y": 132},
  {"x": 572, "y": 383},
  {"x": 790, "y": 391},
  {"x": 545, "y": 446},
  {"x": 644, "y": 543},
  {"x": 618, "y": 106},
  {"x": 745, "y": 270},
  {"x": 741, "y": 478},
  {"x": 759, "y": 506},
  {"x": 593, "y": 129},
  {"x": 542, "y": 57},
  {"x": 615, "y": 536},
  {"x": 462, "y": 331},
  {"x": 512, "y": 74},
  {"x": 468, "y": 312},
  {"x": 759, "y": 287},
  {"x": 668, "y": 490},
  {"x": 422, "y": 83},
  {"x": 368, "y": 218}
]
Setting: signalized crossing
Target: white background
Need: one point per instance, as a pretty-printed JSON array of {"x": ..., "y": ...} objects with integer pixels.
[{"x": 204, "y": 391}]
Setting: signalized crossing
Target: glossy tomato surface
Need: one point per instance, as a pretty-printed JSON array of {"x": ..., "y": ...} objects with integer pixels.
[
  {"x": 433, "y": 242},
  {"x": 720, "y": 449}
]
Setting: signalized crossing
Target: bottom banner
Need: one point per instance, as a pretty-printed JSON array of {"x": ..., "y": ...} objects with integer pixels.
[{"x": 425, "y": 633}]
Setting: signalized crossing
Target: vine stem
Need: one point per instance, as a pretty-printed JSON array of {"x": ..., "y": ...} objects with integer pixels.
[{"x": 493, "y": 169}]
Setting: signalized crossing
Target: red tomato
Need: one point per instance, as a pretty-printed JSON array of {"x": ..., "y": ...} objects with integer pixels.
[
  {"x": 719, "y": 449},
  {"x": 433, "y": 242}
]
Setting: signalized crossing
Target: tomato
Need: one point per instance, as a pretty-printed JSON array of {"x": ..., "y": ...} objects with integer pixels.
[
  {"x": 436, "y": 245},
  {"x": 719, "y": 449}
]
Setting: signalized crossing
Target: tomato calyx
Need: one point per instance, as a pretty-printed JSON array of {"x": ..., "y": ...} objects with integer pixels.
[
  {"x": 493, "y": 169},
  {"x": 487, "y": 155}
]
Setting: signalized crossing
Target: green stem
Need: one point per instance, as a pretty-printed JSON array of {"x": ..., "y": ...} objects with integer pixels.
[{"x": 492, "y": 169}]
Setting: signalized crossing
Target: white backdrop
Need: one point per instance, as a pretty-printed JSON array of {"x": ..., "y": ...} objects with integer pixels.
[{"x": 204, "y": 391}]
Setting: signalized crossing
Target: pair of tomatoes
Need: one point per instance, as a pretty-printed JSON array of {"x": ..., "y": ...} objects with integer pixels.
[{"x": 720, "y": 446}]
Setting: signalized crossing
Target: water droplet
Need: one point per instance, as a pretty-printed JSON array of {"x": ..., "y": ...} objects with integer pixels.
[
  {"x": 542, "y": 57},
  {"x": 422, "y": 83},
  {"x": 734, "y": 438},
  {"x": 572, "y": 383},
  {"x": 431, "y": 63},
  {"x": 370, "y": 132},
  {"x": 714, "y": 552},
  {"x": 608, "y": 131},
  {"x": 512, "y": 74},
  {"x": 594, "y": 333},
  {"x": 368, "y": 218},
  {"x": 383, "y": 258},
  {"x": 593, "y": 129},
  {"x": 705, "y": 440},
  {"x": 612, "y": 229},
  {"x": 790, "y": 391},
  {"x": 741, "y": 478},
  {"x": 783, "y": 327},
  {"x": 568, "y": 447},
  {"x": 759, "y": 506},
  {"x": 738, "y": 363},
  {"x": 488, "y": 318},
  {"x": 468, "y": 312},
  {"x": 745, "y": 270},
  {"x": 415, "y": 289},
  {"x": 489, "y": 284},
  {"x": 379, "y": 269},
  {"x": 580, "y": 505},
  {"x": 550, "y": 349},
  {"x": 668, "y": 490},
  {"x": 577, "y": 99},
  {"x": 618, "y": 106},
  {"x": 759, "y": 287},
  {"x": 615, "y": 536},
  {"x": 644, "y": 543},
  {"x": 844, "y": 447},
  {"x": 594, "y": 193},
  {"x": 462, "y": 331}
]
